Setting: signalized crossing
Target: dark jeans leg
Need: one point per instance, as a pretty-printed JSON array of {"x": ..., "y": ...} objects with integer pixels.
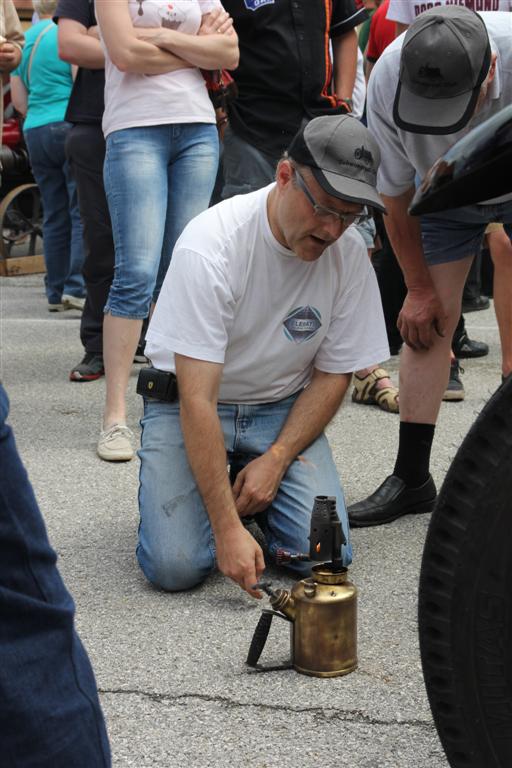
[
  {"x": 85, "y": 150},
  {"x": 473, "y": 286},
  {"x": 50, "y": 716},
  {"x": 62, "y": 245},
  {"x": 245, "y": 168},
  {"x": 391, "y": 285}
]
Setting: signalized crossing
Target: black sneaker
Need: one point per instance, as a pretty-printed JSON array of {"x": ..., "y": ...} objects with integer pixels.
[
  {"x": 455, "y": 389},
  {"x": 466, "y": 347},
  {"x": 475, "y": 304},
  {"x": 89, "y": 369},
  {"x": 139, "y": 356}
]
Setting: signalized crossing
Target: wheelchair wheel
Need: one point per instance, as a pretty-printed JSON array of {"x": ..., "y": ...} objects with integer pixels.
[
  {"x": 465, "y": 598},
  {"x": 21, "y": 222}
]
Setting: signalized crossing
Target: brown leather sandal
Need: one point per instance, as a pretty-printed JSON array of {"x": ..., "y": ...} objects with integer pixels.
[{"x": 366, "y": 391}]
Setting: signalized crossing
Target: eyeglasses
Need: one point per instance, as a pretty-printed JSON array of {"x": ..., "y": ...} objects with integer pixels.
[{"x": 327, "y": 213}]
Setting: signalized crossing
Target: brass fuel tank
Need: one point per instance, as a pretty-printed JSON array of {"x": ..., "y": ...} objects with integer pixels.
[{"x": 323, "y": 614}]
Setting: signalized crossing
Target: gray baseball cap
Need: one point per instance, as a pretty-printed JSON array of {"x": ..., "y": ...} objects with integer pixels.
[
  {"x": 445, "y": 58},
  {"x": 343, "y": 157}
]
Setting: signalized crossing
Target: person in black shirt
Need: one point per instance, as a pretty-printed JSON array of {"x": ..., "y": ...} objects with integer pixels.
[
  {"x": 286, "y": 75},
  {"x": 86, "y": 151},
  {"x": 298, "y": 61}
]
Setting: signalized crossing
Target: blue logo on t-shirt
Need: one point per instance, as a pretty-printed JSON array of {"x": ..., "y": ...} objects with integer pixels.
[
  {"x": 254, "y": 5},
  {"x": 302, "y": 323}
]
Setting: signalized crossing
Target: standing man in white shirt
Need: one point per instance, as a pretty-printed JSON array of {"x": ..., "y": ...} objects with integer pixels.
[
  {"x": 259, "y": 322},
  {"x": 405, "y": 12},
  {"x": 448, "y": 73}
]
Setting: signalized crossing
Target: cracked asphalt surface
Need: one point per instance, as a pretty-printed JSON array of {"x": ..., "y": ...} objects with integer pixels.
[{"x": 170, "y": 668}]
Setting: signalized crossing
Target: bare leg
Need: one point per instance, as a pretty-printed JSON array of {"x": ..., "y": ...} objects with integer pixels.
[
  {"x": 120, "y": 339},
  {"x": 501, "y": 253},
  {"x": 424, "y": 374},
  {"x": 423, "y": 379}
]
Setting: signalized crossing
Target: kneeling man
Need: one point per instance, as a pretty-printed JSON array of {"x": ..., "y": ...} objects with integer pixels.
[{"x": 269, "y": 305}]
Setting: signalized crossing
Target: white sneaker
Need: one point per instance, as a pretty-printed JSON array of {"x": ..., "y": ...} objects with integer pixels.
[
  {"x": 56, "y": 307},
  {"x": 72, "y": 302},
  {"x": 115, "y": 443}
]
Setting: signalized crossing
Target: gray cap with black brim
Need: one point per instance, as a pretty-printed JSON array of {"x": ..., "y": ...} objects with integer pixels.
[
  {"x": 445, "y": 58},
  {"x": 343, "y": 157}
]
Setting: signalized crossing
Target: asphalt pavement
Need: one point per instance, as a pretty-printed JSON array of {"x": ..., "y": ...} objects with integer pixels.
[{"x": 170, "y": 667}]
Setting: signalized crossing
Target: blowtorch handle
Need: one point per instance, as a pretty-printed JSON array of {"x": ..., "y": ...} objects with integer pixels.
[{"x": 259, "y": 638}]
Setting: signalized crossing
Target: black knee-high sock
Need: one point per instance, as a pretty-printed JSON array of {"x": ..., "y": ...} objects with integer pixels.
[{"x": 413, "y": 459}]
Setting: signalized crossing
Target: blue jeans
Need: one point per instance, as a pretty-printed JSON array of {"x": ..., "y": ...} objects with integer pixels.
[
  {"x": 157, "y": 179},
  {"x": 459, "y": 233},
  {"x": 176, "y": 548},
  {"x": 62, "y": 227},
  {"x": 50, "y": 716}
]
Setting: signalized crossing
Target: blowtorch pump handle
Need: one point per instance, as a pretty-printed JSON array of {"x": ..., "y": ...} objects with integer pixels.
[{"x": 259, "y": 640}]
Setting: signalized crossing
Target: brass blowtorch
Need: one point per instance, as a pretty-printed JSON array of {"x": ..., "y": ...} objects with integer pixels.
[{"x": 322, "y": 608}]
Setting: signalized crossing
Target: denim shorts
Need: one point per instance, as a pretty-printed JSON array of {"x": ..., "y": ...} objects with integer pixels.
[
  {"x": 157, "y": 178},
  {"x": 458, "y": 233},
  {"x": 367, "y": 230},
  {"x": 176, "y": 548}
]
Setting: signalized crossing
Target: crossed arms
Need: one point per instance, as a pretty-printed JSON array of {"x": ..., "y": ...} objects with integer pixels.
[{"x": 145, "y": 50}]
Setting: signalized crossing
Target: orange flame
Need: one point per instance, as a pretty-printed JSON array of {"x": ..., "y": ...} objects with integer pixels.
[{"x": 318, "y": 547}]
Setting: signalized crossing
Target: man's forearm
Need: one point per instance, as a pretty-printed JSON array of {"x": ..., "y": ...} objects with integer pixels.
[
  {"x": 78, "y": 47},
  {"x": 404, "y": 233},
  {"x": 311, "y": 412},
  {"x": 207, "y": 458},
  {"x": 345, "y": 64}
]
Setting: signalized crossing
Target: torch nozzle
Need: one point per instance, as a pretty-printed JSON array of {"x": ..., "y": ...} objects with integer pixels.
[{"x": 283, "y": 556}]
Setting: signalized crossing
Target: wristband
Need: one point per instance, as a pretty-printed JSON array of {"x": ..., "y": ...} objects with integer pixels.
[{"x": 345, "y": 103}]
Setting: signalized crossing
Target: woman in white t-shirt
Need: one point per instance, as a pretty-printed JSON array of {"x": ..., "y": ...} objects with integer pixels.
[{"x": 160, "y": 165}]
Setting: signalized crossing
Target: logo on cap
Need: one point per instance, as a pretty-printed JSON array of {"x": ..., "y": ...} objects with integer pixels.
[
  {"x": 364, "y": 155},
  {"x": 426, "y": 72}
]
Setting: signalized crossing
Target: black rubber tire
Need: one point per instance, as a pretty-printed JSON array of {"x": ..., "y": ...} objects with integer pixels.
[{"x": 465, "y": 596}]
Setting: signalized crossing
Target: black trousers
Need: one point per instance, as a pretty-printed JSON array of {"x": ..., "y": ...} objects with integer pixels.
[{"x": 85, "y": 150}]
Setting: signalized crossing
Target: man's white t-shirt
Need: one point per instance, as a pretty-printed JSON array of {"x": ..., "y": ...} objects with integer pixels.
[
  {"x": 234, "y": 295},
  {"x": 134, "y": 100},
  {"x": 405, "y": 155},
  {"x": 405, "y": 11}
]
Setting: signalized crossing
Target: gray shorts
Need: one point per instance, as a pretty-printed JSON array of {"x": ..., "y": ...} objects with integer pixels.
[{"x": 456, "y": 234}]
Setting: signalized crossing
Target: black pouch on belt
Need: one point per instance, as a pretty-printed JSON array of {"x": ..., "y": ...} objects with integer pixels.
[{"x": 159, "y": 385}]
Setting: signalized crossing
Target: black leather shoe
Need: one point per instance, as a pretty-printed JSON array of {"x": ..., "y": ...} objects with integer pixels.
[
  {"x": 475, "y": 304},
  {"x": 391, "y": 500},
  {"x": 466, "y": 347}
]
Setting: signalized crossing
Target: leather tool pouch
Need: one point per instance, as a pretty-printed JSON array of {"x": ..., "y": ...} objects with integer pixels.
[{"x": 158, "y": 385}]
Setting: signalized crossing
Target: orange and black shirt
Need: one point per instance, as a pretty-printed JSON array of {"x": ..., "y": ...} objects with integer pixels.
[{"x": 285, "y": 69}]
